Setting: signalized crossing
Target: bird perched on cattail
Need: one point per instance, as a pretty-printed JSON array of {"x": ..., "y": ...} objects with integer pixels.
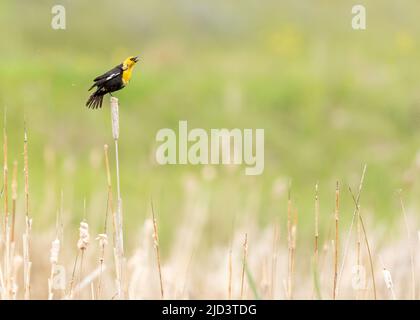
[{"x": 113, "y": 80}]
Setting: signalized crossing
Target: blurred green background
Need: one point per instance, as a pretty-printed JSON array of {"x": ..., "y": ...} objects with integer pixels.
[{"x": 329, "y": 98}]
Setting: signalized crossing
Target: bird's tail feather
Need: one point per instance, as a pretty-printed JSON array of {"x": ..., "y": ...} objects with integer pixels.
[{"x": 95, "y": 100}]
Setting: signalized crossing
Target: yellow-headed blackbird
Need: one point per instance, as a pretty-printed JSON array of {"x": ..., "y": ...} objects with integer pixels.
[{"x": 113, "y": 80}]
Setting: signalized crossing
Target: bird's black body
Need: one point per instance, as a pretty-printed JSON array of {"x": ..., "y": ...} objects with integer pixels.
[{"x": 108, "y": 82}]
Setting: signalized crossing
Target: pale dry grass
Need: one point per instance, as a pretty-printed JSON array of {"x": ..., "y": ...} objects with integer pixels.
[
  {"x": 257, "y": 262},
  {"x": 190, "y": 272}
]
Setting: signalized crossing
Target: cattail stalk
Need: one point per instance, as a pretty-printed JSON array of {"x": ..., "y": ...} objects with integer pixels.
[
  {"x": 73, "y": 277},
  {"x": 2, "y": 285},
  {"x": 316, "y": 238},
  {"x": 10, "y": 244},
  {"x": 372, "y": 269},
  {"x": 316, "y": 254},
  {"x": 6, "y": 234},
  {"x": 274, "y": 261},
  {"x": 245, "y": 246},
  {"x": 412, "y": 263},
  {"x": 86, "y": 281},
  {"x": 362, "y": 225},
  {"x": 82, "y": 244},
  {"x": 54, "y": 252},
  {"x": 6, "y": 227},
  {"x": 336, "y": 244},
  {"x": 316, "y": 246},
  {"x": 103, "y": 238},
  {"x": 14, "y": 199},
  {"x": 103, "y": 242},
  {"x": 388, "y": 280},
  {"x": 358, "y": 249},
  {"x": 92, "y": 289},
  {"x": 290, "y": 246},
  {"x": 230, "y": 273},
  {"x": 5, "y": 183},
  {"x": 7, "y": 263},
  {"x": 119, "y": 244},
  {"x": 293, "y": 252},
  {"x": 156, "y": 245},
  {"x": 355, "y": 215},
  {"x": 27, "y": 264},
  {"x": 110, "y": 202}
]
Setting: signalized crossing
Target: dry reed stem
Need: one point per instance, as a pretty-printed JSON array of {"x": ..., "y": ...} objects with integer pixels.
[
  {"x": 388, "y": 279},
  {"x": 274, "y": 261},
  {"x": 6, "y": 222},
  {"x": 110, "y": 202},
  {"x": 6, "y": 234},
  {"x": 55, "y": 250},
  {"x": 289, "y": 245},
  {"x": 7, "y": 263},
  {"x": 372, "y": 269},
  {"x": 316, "y": 254},
  {"x": 82, "y": 244},
  {"x": 245, "y": 246},
  {"x": 336, "y": 244},
  {"x": 92, "y": 290},
  {"x": 324, "y": 252},
  {"x": 316, "y": 238},
  {"x": 293, "y": 251},
  {"x": 27, "y": 264},
  {"x": 14, "y": 199},
  {"x": 358, "y": 249},
  {"x": 355, "y": 214},
  {"x": 103, "y": 242},
  {"x": 26, "y": 171},
  {"x": 230, "y": 262},
  {"x": 81, "y": 267},
  {"x": 5, "y": 182},
  {"x": 84, "y": 239},
  {"x": 119, "y": 248},
  {"x": 10, "y": 241},
  {"x": 88, "y": 280},
  {"x": 230, "y": 273},
  {"x": 156, "y": 244},
  {"x": 411, "y": 249},
  {"x": 6, "y": 226},
  {"x": 13, "y": 273},
  {"x": 73, "y": 276},
  {"x": 109, "y": 207},
  {"x": 2, "y": 285},
  {"x": 187, "y": 273}
]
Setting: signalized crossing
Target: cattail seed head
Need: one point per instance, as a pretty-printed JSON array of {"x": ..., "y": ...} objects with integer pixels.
[
  {"x": 55, "y": 249},
  {"x": 103, "y": 239},
  {"x": 83, "y": 236},
  {"x": 387, "y": 278}
]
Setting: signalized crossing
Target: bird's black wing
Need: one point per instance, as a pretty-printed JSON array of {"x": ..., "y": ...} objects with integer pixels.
[
  {"x": 111, "y": 74},
  {"x": 117, "y": 70}
]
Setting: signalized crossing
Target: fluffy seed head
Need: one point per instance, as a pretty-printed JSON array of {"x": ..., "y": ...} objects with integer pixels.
[
  {"x": 55, "y": 249},
  {"x": 83, "y": 236}
]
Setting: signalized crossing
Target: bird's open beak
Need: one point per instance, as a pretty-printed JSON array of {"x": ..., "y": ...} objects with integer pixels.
[{"x": 136, "y": 59}]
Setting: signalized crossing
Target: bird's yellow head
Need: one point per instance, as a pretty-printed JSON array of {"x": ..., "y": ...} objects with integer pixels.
[{"x": 130, "y": 62}]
